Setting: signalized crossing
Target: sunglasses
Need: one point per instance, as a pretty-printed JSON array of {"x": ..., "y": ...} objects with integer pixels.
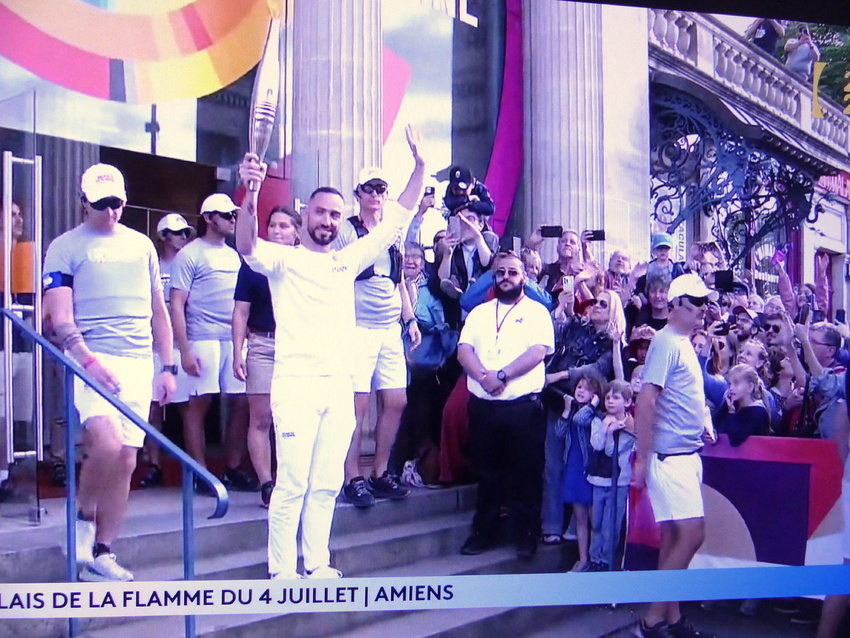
[
  {"x": 374, "y": 189},
  {"x": 507, "y": 272},
  {"x": 185, "y": 232},
  {"x": 107, "y": 202},
  {"x": 772, "y": 327},
  {"x": 696, "y": 301},
  {"x": 225, "y": 216},
  {"x": 598, "y": 302}
]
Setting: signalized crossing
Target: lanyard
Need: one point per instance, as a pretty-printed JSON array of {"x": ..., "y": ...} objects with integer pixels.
[{"x": 499, "y": 324}]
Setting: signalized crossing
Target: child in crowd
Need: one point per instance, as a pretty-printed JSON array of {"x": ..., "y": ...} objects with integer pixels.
[
  {"x": 574, "y": 427},
  {"x": 745, "y": 412},
  {"x": 614, "y": 432}
]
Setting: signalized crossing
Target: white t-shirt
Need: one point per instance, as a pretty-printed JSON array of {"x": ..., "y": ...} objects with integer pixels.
[
  {"x": 207, "y": 272},
  {"x": 672, "y": 365},
  {"x": 520, "y": 326},
  {"x": 114, "y": 275},
  {"x": 377, "y": 302},
  {"x": 313, "y": 297}
]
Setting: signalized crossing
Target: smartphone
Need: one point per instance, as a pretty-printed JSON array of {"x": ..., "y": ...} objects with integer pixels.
[
  {"x": 597, "y": 235},
  {"x": 778, "y": 257},
  {"x": 723, "y": 329},
  {"x": 568, "y": 283},
  {"x": 454, "y": 226},
  {"x": 803, "y": 317},
  {"x": 429, "y": 190},
  {"x": 724, "y": 280},
  {"x": 551, "y": 231},
  {"x": 517, "y": 245}
]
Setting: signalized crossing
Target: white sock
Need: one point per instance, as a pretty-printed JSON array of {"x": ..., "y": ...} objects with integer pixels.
[{"x": 4, "y": 475}]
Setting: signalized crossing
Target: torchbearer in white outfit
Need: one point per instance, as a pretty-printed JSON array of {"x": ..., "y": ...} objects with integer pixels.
[{"x": 312, "y": 393}]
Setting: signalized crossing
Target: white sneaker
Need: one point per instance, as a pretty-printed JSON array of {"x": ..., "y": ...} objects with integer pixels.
[
  {"x": 105, "y": 568},
  {"x": 324, "y": 572},
  {"x": 410, "y": 475},
  {"x": 85, "y": 541},
  {"x": 286, "y": 576}
]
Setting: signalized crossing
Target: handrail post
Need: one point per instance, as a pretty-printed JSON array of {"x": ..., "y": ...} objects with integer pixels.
[
  {"x": 71, "y": 482},
  {"x": 188, "y": 539}
]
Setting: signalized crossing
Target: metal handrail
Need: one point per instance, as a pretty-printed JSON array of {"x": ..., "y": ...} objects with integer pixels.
[{"x": 190, "y": 466}]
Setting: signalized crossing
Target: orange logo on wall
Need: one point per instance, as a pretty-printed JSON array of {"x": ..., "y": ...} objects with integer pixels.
[{"x": 138, "y": 51}]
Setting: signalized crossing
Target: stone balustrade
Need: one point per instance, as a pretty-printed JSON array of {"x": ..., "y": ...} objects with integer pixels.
[{"x": 704, "y": 43}]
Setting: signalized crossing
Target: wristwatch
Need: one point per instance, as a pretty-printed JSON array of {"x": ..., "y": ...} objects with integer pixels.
[
  {"x": 501, "y": 376},
  {"x": 172, "y": 369}
]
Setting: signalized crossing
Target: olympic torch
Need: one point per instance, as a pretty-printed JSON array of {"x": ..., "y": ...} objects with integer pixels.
[{"x": 266, "y": 92}]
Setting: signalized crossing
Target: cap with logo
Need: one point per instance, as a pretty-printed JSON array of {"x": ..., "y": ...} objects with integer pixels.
[
  {"x": 371, "y": 174},
  {"x": 103, "y": 180},
  {"x": 739, "y": 310},
  {"x": 173, "y": 222},
  {"x": 460, "y": 177},
  {"x": 662, "y": 240},
  {"x": 218, "y": 203},
  {"x": 691, "y": 285}
]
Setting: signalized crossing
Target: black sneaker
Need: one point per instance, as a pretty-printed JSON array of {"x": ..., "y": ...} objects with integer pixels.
[
  {"x": 152, "y": 478},
  {"x": 201, "y": 488},
  {"x": 356, "y": 493},
  {"x": 386, "y": 486},
  {"x": 806, "y": 616},
  {"x": 787, "y": 606},
  {"x": 239, "y": 480},
  {"x": 683, "y": 629},
  {"x": 266, "y": 493},
  {"x": 526, "y": 548},
  {"x": 6, "y": 490},
  {"x": 477, "y": 544},
  {"x": 598, "y": 566},
  {"x": 656, "y": 631}
]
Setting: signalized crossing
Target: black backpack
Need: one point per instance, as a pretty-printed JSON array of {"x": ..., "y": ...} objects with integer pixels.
[{"x": 395, "y": 255}]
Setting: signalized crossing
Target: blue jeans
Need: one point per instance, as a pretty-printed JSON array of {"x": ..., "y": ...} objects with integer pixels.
[
  {"x": 604, "y": 541},
  {"x": 552, "y": 514}
]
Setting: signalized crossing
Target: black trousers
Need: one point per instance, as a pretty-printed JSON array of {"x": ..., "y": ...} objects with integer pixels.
[{"x": 506, "y": 446}]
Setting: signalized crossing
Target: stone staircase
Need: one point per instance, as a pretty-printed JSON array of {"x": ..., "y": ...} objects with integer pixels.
[{"x": 419, "y": 536}]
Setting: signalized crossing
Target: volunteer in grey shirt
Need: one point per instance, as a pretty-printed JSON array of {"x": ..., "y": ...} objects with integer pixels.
[
  {"x": 103, "y": 297},
  {"x": 203, "y": 278},
  {"x": 669, "y": 424}
]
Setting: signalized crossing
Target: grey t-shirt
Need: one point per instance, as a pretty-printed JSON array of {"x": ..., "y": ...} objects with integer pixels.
[
  {"x": 672, "y": 364},
  {"x": 377, "y": 302},
  {"x": 114, "y": 275},
  {"x": 208, "y": 274}
]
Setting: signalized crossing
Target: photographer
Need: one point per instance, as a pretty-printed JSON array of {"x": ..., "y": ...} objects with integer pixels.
[{"x": 802, "y": 52}]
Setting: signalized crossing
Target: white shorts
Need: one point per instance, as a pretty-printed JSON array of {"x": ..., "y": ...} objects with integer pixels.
[
  {"x": 675, "y": 487},
  {"x": 181, "y": 395},
  {"x": 379, "y": 355},
  {"x": 135, "y": 376},
  {"x": 23, "y": 366},
  {"x": 216, "y": 371}
]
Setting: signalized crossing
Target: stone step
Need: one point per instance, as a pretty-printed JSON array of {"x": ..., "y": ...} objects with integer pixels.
[
  {"x": 155, "y": 522},
  {"x": 368, "y": 623}
]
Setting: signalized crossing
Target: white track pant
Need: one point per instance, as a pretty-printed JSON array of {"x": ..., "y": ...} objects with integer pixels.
[{"x": 313, "y": 424}]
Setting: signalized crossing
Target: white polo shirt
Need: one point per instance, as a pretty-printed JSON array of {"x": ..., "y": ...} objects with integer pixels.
[{"x": 499, "y": 333}]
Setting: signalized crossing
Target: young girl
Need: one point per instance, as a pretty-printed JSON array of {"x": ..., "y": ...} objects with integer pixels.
[
  {"x": 574, "y": 427},
  {"x": 610, "y": 499},
  {"x": 744, "y": 412}
]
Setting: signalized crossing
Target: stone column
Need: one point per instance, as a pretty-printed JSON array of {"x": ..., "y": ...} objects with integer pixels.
[
  {"x": 337, "y": 125},
  {"x": 586, "y": 130}
]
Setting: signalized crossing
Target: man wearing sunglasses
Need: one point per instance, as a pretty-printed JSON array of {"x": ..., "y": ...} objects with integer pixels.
[
  {"x": 172, "y": 231},
  {"x": 382, "y": 310},
  {"x": 669, "y": 425},
  {"x": 202, "y": 284},
  {"x": 103, "y": 298}
]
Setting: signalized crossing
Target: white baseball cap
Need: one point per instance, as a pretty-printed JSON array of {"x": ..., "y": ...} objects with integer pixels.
[
  {"x": 371, "y": 173},
  {"x": 103, "y": 180},
  {"x": 690, "y": 284},
  {"x": 173, "y": 222},
  {"x": 218, "y": 203}
]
